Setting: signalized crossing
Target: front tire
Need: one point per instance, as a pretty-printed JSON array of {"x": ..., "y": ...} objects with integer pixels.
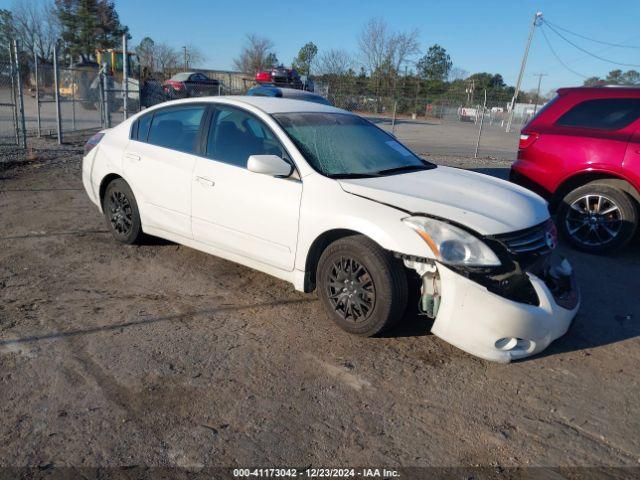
[
  {"x": 361, "y": 286},
  {"x": 597, "y": 218},
  {"x": 121, "y": 212}
]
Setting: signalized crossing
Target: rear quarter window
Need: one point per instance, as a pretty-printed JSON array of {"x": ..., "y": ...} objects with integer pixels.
[{"x": 602, "y": 114}]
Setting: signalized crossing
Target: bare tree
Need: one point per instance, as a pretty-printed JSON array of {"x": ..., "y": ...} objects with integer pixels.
[
  {"x": 255, "y": 54},
  {"x": 402, "y": 46},
  {"x": 457, "y": 73},
  {"x": 382, "y": 49},
  {"x": 166, "y": 57},
  {"x": 384, "y": 52},
  {"x": 334, "y": 62},
  {"x": 36, "y": 26},
  {"x": 373, "y": 42}
]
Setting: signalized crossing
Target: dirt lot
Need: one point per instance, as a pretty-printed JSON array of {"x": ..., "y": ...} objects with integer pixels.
[{"x": 159, "y": 355}]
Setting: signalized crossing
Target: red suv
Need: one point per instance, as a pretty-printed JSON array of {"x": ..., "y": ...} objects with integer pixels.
[{"x": 582, "y": 153}]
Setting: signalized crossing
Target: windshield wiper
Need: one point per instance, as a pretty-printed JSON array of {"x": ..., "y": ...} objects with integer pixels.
[{"x": 404, "y": 168}]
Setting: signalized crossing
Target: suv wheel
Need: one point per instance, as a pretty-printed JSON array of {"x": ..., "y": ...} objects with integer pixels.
[
  {"x": 121, "y": 212},
  {"x": 361, "y": 286},
  {"x": 597, "y": 218}
]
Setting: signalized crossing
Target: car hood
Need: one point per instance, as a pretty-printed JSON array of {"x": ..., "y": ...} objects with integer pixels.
[{"x": 485, "y": 204}]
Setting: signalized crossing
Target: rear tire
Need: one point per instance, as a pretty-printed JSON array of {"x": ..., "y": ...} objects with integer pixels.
[
  {"x": 361, "y": 286},
  {"x": 121, "y": 212},
  {"x": 597, "y": 218}
]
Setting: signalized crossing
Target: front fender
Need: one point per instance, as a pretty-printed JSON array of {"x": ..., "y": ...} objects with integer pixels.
[{"x": 323, "y": 212}]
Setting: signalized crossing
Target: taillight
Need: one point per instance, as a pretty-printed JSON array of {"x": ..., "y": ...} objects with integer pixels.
[
  {"x": 92, "y": 142},
  {"x": 175, "y": 85},
  {"x": 527, "y": 139},
  {"x": 262, "y": 77}
]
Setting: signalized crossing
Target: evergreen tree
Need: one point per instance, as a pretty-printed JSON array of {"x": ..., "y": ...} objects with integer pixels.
[
  {"x": 307, "y": 54},
  {"x": 89, "y": 25}
]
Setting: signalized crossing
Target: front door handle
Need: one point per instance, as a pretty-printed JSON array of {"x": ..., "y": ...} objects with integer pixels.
[
  {"x": 206, "y": 181},
  {"x": 132, "y": 156}
]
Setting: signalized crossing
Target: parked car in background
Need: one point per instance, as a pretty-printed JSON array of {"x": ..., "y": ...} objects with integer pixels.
[
  {"x": 582, "y": 153},
  {"x": 191, "y": 84},
  {"x": 373, "y": 222},
  {"x": 467, "y": 114},
  {"x": 281, "y": 77},
  {"x": 291, "y": 93}
]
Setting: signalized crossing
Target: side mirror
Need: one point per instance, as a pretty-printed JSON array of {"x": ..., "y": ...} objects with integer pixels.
[{"x": 271, "y": 165}]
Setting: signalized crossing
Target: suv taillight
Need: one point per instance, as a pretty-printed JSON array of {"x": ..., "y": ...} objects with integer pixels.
[
  {"x": 92, "y": 142},
  {"x": 527, "y": 139}
]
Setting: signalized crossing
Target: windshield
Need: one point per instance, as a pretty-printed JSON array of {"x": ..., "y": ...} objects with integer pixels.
[{"x": 341, "y": 145}]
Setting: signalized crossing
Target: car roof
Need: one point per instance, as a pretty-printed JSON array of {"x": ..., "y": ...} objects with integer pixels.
[
  {"x": 270, "y": 105},
  {"x": 287, "y": 92},
  {"x": 285, "y": 105}
]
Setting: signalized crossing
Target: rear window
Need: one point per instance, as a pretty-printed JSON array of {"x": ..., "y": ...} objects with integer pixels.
[
  {"x": 181, "y": 77},
  {"x": 604, "y": 114}
]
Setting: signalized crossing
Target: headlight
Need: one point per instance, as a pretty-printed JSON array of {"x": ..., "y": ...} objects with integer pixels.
[{"x": 452, "y": 245}]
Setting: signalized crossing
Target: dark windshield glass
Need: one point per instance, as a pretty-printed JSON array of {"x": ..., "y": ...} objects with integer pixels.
[{"x": 338, "y": 144}]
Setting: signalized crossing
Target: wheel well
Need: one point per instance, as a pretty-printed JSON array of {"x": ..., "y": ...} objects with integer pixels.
[
  {"x": 584, "y": 178},
  {"x": 103, "y": 185},
  {"x": 315, "y": 251}
]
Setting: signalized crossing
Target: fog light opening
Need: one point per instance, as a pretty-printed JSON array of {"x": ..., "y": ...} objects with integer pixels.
[{"x": 508, "y": 344}]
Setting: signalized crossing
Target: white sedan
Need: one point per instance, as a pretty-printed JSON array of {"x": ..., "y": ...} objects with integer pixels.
[{"x": 322, "y": 198}]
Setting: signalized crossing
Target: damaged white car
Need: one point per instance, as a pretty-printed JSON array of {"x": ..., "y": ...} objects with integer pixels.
[{"x": 326, "y": 200}]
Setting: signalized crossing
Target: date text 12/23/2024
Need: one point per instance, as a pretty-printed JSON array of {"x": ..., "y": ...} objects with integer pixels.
[{"x": 315, "y": 472}]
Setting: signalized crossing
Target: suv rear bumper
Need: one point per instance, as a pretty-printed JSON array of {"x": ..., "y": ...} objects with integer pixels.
[{"x": 517, "y": 176}]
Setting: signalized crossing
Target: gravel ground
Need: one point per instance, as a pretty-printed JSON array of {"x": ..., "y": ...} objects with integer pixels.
[{"x": 159, "y": 355}]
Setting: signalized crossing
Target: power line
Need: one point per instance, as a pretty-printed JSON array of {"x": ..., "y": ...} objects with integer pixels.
[
  {"x": 544, "y": 34},
  {"x": 588, "y": 52},
  {"x": 618, "y": 45}
]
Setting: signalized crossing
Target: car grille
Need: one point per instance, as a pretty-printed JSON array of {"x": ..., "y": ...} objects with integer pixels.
[{"x": 526, "y": 242}]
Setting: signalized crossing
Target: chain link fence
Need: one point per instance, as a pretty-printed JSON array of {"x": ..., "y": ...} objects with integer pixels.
[
  {"x": 50, "y": 99},
  {"x": 439, "y": 124},
  {"x": 12, "y": 128}
]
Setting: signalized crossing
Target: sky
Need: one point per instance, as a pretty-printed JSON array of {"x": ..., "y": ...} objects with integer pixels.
[{"x": 480, "y": 36}]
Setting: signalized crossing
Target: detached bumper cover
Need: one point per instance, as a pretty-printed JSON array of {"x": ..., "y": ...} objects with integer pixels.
[{"x": 481, "y": 323}]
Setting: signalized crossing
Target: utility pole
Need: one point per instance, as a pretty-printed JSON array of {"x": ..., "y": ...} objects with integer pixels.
[
  {"x": 536, "y": 19},
  {"x": 539, "y": 75}
]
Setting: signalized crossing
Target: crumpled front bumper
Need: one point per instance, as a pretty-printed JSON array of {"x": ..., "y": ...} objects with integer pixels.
[{"x": 492, "y": 327}]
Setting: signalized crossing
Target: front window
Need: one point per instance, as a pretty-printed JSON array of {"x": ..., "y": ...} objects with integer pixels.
[
  {"x": 234, "y": 135},
  {"x": 341, "y": 145}
]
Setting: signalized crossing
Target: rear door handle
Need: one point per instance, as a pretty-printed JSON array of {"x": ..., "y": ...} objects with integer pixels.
[
  {"x": 205, "y": 181},
  {"x": 132, "y": 156}
]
